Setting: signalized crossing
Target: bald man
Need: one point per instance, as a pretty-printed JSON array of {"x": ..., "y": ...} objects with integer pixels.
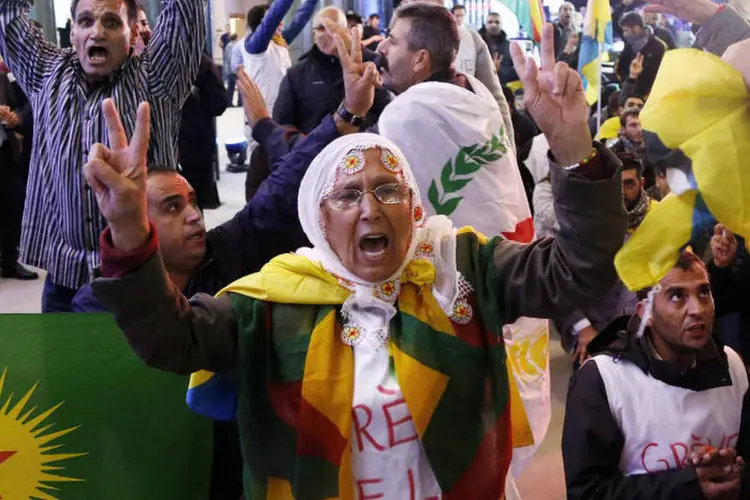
[{"x": 314, "y": 87}]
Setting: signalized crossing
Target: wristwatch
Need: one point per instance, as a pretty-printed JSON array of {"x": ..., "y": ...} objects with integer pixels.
[{"x": 350, "y": 118}]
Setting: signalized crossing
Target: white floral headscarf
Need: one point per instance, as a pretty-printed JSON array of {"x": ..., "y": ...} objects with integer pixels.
[{"x": 346, "y": 156}]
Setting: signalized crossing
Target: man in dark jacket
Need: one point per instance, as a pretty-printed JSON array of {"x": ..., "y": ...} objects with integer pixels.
[
  {"x": 497, "y": 41},
  {"x": 665, "y": 415},
  {"x": 15, "y": 121},
  {"x": 652, "y": 21},
  {"x": 639, "y": 40},
  {"x": 729, "y": 270},
  {"x": 197, "y": 140},
  {"x": 314, "y": 87}
]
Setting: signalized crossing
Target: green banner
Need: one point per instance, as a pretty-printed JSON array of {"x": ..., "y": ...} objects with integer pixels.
[{"x": 82, "y": 418}]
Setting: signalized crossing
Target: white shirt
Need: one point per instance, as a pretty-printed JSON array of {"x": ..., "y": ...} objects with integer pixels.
[
  {"x": 664, "y": 424},
  {"x": 387, "y": 455}
]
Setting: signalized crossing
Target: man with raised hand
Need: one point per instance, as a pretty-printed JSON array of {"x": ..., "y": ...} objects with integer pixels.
[{"x": 66, "y": 88}]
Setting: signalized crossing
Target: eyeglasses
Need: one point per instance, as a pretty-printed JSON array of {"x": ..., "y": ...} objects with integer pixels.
[
  {"x": 630, "y": 183},
  {"x": 349, "y": 199}
]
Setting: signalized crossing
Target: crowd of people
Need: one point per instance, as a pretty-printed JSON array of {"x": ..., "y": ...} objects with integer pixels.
[{"x": 359, "y": 323}]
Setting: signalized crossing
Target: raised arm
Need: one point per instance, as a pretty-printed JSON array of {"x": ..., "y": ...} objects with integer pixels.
[
  {"x": 175, "y": 49},
  {"x": 554, "y": 276},
  {"x": 28, "y": 55},
  {"x": 163, "y": 328},
  {"x": 257, "y": 43},
  {"x": 298, "y": 22}
]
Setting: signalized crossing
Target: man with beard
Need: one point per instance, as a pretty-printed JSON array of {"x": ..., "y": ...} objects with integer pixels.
[
  {"x": 662, "y": 412},
  {"x": 66, "y": 88},
  {"x": 499, "y": 45},
  {"x": 639, "y": 40},
  {"x": 630, "y": 140},
  {"x": 564, "y": 28},
  {"x": 579, "y": 329}
]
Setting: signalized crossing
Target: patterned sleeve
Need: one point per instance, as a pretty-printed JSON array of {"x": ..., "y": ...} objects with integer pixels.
[
  {"x": 28, "y": 55},
  {"x": 175, "y": 49}
]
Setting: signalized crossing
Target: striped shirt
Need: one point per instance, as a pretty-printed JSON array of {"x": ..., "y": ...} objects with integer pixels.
[{"x": 61, "y": 222}]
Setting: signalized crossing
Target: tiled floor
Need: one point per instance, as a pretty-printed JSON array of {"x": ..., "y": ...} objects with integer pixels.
[{"x": 542, "y": 480}]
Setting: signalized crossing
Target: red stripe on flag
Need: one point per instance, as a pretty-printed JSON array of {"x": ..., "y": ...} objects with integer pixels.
[
  {"x": 485, "y": 477},
  {"x": 319, "y": 437},
  {"x": 524, "y": 231}
]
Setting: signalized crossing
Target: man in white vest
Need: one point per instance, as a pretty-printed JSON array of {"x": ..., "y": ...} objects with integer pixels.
[{"x": 664, "y": 413}]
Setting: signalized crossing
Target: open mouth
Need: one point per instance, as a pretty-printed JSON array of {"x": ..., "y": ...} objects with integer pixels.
[
  {"x": 699, "y": 328},
  {"x": 374, "y": 246},
  {"x": 97, "y": 55},
  {"x": 197, "y": 236}
]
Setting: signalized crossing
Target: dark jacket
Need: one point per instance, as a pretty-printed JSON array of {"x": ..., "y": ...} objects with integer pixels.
[
  {"x": 197, "y": 138},
  {"x": 258, "y": 232},
  {"x": 501, "y": 45},
  {"x": 730, "y": 288},
  {"x": 592, "y": 442},
  {"x": 665, "y": 36},
  {"x": 560, "y": 41},
  {"x": 12, "y": 96},
  {"x": 314, "y": 88},
  {"x": 653, "y": 53}
]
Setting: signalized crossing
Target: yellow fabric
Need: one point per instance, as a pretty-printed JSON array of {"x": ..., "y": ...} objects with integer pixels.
[
  {"x": 279, "y": 40},
  {"x": 279, "y": 489},
  {"x": 295, "y": 279},
  {"x": 609, "y": 129},
  {"x": 705, "y": 112}
]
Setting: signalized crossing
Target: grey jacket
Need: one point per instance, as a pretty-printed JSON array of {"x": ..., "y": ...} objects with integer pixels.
[
  {"x": 548, "y": 278},
  {"x": 723, "y": 30}
]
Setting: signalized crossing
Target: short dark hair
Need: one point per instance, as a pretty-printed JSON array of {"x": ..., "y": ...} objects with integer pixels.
[
  {"x": 614, "y": 102},
  {"x": 631, "y": 162},
  {"x": 685, "y": 261},
  {"x": 373, "y": 16},
  {"x": 493, "y": 14},
  {"x": 130, "y": 5},
  {"x": 629, "y": 113},
  {"x": 433, "y": 29},
  {"x": 141, "y": 8},
  {"x": 255, "y": 15},
  {"x": 353, "y": 17},
  {"x": 632, "y": 19},
  {"x": 457, "y": 7}
]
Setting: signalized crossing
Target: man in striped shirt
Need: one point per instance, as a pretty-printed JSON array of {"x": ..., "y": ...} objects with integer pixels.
[{"x": 66, "y": 87}]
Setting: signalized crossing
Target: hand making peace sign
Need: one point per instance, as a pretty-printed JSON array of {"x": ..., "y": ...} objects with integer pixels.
[
  {"x": 360, "y": 79},
  {"x": 555, "y": 99},
  {"x": 118, "y": 177}
]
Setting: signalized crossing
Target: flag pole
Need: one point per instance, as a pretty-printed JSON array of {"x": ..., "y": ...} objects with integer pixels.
[{"x": 600, "y": 46}]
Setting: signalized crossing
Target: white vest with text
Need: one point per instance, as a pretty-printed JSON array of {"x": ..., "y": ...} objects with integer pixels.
[{"x": 663, "y": 424}]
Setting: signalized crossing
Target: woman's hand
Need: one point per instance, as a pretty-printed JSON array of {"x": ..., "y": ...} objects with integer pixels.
[{"x": 555, "y": 99}]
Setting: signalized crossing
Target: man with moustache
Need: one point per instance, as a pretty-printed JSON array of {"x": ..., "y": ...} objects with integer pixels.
[
  {"x": 663, "y": 413},
  {"x": 66, "y": 88}
]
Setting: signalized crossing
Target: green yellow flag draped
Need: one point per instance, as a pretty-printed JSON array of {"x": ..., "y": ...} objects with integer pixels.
[{"x": 82, "y": 418}]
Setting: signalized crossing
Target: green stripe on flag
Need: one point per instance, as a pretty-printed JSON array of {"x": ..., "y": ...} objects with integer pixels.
[{"x": 120, "y": 429}]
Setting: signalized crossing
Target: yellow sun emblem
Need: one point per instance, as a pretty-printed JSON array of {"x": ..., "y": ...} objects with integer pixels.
[{"x": 25, "y": 446}]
